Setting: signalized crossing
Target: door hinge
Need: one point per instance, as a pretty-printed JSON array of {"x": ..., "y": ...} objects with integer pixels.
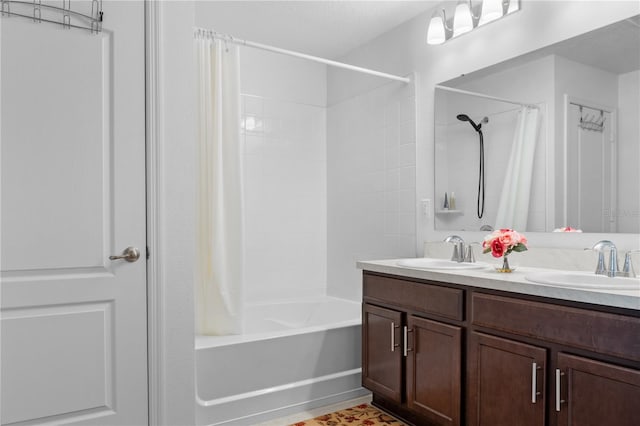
[{"x": 148, "y": 252}]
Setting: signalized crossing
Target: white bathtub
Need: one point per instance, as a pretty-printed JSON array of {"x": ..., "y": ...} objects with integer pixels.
[{"x": 293, "y": 356}]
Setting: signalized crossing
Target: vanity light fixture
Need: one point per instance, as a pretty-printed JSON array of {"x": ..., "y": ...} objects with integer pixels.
[
  {"x": 491, "y": 10},
  {"x": 437, "y": 32},
  {"x": 464, "y": 20}
]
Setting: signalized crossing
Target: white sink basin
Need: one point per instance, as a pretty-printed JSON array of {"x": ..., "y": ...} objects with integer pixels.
[
  {"x": 583, "y": 280},
  {"x": 428, "y": 263}
]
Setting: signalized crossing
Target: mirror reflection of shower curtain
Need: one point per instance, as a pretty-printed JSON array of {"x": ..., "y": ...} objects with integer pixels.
[
  {"x": 590, "y": 184},
  {"x": 513, "y": 208},
  {"x": 219, "y": 275}
]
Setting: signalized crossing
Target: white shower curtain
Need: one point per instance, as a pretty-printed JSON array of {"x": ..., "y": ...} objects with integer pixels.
[
  {"x": 513, "y": 209},
  {"x": 219, "y": 278}
]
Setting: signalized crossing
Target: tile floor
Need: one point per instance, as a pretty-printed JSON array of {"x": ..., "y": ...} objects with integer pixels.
[{"x": 310, "y": 414}]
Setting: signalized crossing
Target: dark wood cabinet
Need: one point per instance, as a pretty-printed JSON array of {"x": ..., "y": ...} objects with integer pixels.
[
  {"x": 444, "y": 354},
  {"x": 412, "y": 361},
  {"x": 505, "y": 382},
  {"x": 594, "y": 393},
  {"x": 381, "y": 354},
  {"x": 433, "y": 370}
]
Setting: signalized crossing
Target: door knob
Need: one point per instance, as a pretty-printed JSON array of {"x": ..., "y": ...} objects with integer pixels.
[{"x": 130, "y": 254}]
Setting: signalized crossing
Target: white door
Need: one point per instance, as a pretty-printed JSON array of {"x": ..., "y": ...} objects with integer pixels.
[
  {"x": 591, "y": 189},
  {"x": 74, "y": 345}
]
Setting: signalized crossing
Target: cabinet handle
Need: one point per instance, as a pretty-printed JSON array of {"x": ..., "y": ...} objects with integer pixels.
[
  {"x": 559, "y": 401},
  {"x": 406, "y": 348},
  {"x": 393, "y": 336},
  {"x": 534, "y": 382}
]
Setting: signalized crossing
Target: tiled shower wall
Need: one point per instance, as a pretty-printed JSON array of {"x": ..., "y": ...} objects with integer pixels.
[
  {"x": 284, "y": 133},
  {"x": 285, "y": 196},
  {"x": 371, "y": 180},
  {"x": 324, "y": 186}
]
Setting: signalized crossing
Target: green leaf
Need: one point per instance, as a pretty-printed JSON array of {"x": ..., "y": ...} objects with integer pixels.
[{"x": 520, "y": 248}]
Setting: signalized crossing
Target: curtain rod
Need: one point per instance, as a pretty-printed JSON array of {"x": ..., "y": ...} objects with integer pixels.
[
  {"x": 481, "y": 95},
  {"x": 230, "y": 39}
]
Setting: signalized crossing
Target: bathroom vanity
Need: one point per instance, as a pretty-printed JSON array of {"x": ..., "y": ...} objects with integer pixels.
[{"x": 483, "y": 348}]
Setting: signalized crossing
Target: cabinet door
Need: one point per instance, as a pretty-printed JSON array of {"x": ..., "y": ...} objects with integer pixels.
[
  {"x": 506, "y": 382},
  {"x": 433, "y": 370},
  {"x": 594, "y": 393},
  {"x": 382, "y": 354}
]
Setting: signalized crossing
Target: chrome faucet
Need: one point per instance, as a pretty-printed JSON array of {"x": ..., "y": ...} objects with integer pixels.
[
  {"x": 458, "y": 247},
  {"x": 627, "y": 269},
  {"x": 469, "y": 256},
  {"x": 613, "y": 269}
]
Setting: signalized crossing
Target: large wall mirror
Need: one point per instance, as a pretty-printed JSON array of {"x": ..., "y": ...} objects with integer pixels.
[{"x": 545, "y": 141}]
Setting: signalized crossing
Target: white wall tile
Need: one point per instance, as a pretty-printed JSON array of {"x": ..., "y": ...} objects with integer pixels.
[
  {"x": 392, "y": 156},
  {"x": 407, "y": 155},
  {"x": 392, "y": 180},
  {"x": 391, "y": 135},
  {"x": 253, "y": 105},
  {"x": 391, "y": 224},
  {"x": 391, "y": 114},
  {"x": 406, "y": 133},
  {"x": 407, "y": 110},
  {"x": 283, "y": 77},
  {"x": 407, "y": 177},
  {"x": 391, "y": 204},
  {"x": 406, "y": 224},
  {"x": 406, "y": 201},
  {"x": 285, "y": 175},
  {"x": 365, "y": 219}
]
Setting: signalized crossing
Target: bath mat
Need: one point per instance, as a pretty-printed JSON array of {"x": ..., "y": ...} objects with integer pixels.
[{"x": 360, "y": 415}]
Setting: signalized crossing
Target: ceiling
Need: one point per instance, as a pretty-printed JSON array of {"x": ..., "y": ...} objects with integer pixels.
[
  {"x": 327, "y": 28},
  {"x": 614, "y": 48}
]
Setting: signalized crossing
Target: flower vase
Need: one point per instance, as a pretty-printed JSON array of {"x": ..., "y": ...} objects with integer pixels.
[{"x": 505, "y": 265}]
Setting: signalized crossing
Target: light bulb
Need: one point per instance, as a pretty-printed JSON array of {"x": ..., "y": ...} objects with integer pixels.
[
  {"x": 514, "y": 5},
  {"x": 491, "y": 10},
  {"x": 436, "y": 33},
  {"x": 462, "y": 20}
]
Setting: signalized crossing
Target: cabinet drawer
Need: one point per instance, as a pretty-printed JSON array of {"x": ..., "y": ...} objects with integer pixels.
[
  {"x": 610, "y": 334},
  {"x": 430, "y": 299}
]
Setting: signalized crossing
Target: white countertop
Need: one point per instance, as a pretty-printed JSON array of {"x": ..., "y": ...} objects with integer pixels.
[{"x": 514, "y": 282}]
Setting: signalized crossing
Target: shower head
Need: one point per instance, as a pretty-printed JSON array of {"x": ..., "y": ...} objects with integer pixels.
[{"x": 477, "y": 127}]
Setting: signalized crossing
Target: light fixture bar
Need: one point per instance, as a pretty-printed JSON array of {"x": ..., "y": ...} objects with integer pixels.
[{"x": 465, "y": 21}]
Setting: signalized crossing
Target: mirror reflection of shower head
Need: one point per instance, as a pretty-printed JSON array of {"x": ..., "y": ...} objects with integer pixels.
[
  {"x": 476, "y": 127},
  {"x": 481, "y": 182}
]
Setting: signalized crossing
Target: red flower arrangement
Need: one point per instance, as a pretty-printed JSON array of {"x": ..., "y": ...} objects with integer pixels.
[{"x": 501, "y": 242}]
